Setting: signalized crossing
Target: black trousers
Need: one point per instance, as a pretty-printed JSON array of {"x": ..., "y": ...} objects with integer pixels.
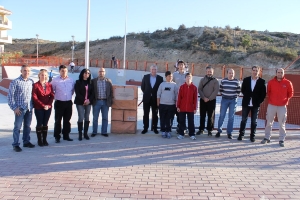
[
  {"x": 146, "y": 106},
  {"x": 63, "y": 110},
  {"x": 191, "y": 124},
  {"x": 209, "y": 109},
  {"x": 254, "y": 113},
  {"x": 166, "y": 113}
]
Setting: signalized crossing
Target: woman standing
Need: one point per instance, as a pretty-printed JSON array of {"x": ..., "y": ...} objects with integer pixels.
[
  {"x": 43, "y": 95},
  {"x": 83, "y": 101}
]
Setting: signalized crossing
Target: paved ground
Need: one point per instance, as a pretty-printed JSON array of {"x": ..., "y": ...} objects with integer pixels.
[{"x": 147, "y": 166}]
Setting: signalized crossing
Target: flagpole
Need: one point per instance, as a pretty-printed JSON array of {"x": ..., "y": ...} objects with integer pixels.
[{"x": 87, "y": 44}]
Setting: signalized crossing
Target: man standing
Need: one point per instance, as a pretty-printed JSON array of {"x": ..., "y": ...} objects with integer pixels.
[
  {"x": 254, "y": 91},
  {"x": 279, "y": 91},
  {"x": 150, "y": 84},
  {"x": 208, "y": 90},
  {"x": 63, "y": 87},
  {"x": 230, "y": 89},
  {"x": 103, "y": 95},
  {"x": 20, "y": 101},
  {"x": 179, "y": 79}
]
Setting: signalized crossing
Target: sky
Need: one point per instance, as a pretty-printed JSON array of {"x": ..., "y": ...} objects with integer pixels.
[{"x": 58, "y": 20}]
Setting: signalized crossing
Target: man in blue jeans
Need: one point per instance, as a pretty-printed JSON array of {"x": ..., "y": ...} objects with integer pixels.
[
  {"x": 230, "y": 89},
  {"x": 20, "y": 101},
  {"x": 103, "y": 94}
]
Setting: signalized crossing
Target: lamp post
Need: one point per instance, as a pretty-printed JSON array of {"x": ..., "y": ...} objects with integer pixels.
[
  {"x": 37, "y": 49},
  {"x": 73, "y": 48},
  {"x": 87, "y": 45}
]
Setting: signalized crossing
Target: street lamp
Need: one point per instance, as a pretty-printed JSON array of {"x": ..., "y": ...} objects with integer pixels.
[
  {"x": 37, "y": 49},
  {"x": 73, "y": 48}
]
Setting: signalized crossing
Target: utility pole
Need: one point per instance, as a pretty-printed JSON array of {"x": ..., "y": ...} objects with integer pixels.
[{"x": 37, "y": 49}]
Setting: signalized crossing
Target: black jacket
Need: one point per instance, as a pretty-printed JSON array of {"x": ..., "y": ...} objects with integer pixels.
[
  {"x": 258, "y": 94},
  {"x": 80, "y": 92},
  {"x": 148, "y": 91}
]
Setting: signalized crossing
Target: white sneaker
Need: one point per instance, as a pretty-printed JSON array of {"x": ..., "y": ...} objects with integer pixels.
[
  {"x": 180, "y": 137},
  {"x": 193, "y": 138}
]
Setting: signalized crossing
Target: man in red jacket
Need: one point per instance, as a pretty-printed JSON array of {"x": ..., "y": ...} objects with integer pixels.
[
  {"x": 279, "y": 91},
  {"x": 187, "y": 106}
]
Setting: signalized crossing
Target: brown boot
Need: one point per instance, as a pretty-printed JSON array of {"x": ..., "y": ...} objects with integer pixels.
[
  {"x": 38, "y": 131},
  {"x": 45, "y": 132}
]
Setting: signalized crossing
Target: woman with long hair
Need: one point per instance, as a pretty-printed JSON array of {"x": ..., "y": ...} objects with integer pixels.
[
  {"x": 83, "y": 101},
  {"x": 42, "y": 95}
]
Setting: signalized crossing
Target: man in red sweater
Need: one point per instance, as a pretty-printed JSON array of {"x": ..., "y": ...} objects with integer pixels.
[
  {"x": 279, "y": 91},
  {"x": 187, "y": 106}
]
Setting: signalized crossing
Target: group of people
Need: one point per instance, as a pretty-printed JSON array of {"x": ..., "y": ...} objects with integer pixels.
[
  {"x": 179, "y": 96},
  {"x": 175, "y": 96},
  {"x": 24, "y": 95}
]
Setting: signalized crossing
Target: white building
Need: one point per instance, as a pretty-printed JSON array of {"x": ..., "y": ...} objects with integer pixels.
[{"x": 5, "y": 24}]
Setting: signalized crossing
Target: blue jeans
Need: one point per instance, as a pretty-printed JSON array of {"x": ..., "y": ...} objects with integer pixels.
[
  {"x": 25, "y": 116},
  {"x": 100, "y": 105},
  {"x": 42, "y": 117},
  {"x": 231, "y": 104},
  {"x": 245, "y": 113},
  {"x": 83, "y": 112}
]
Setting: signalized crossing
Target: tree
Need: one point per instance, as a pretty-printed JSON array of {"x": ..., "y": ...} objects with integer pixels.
[{"x": 246, "y": 41}]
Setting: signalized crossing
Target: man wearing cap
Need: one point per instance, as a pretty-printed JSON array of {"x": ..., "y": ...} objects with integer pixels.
[
  {"x": 179, "y": 79},
  {"x": 280, "y": 91}
]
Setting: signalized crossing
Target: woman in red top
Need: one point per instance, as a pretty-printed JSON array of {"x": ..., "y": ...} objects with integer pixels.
[{"x": 42, "y": 95}]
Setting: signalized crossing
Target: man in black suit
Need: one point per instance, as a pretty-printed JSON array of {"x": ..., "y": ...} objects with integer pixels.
[
  {"x": 254, "y": 91},
  {"x": 150, "y": 84}
]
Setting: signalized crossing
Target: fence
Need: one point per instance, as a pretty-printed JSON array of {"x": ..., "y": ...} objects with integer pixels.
[
  {"x": 197, "y": 69},
  {"x": 292, "y": 123}
]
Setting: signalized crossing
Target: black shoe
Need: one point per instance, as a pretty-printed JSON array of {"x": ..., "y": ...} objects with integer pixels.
[
  {"x": 29, "y": 145},
  {"x": 144, "y": 131},
  {"x": 200, "y": 132},
  {"x": 104, "y": 134},
  {"x": 17, "y": 149},
  {"x": 240, "y": 137},
  {"x": 155, "y": 131},
  {"x": 209, "y": 133},
  {"x": 252, "y": 139},
  {"x": 57, "y": 140},
  {"x": 230, "y": 136},
  {"x": 93, "y": 134},
  {"x": 218, "y": 135},
  {"x": 68, "y": 139}
]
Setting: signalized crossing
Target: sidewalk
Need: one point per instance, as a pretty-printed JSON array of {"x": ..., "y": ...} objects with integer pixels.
[{"x": 137, "y": 166}]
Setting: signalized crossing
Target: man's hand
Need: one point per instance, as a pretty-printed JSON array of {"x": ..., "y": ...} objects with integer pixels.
[
  {"x": 46, "y": 107},
  {"x": 206, "y": 99},
  {"x": 195, "y": 111},
  {"x": 18, "y": 112},
  {"x": 178, "y": 109}
]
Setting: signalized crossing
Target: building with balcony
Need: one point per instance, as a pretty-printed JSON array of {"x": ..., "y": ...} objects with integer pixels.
[{"x": 5, "y": 24}]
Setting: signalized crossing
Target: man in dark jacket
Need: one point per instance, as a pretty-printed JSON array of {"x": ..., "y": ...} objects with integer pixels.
[
  {"x": 254, "y": 91},
  {"x": 150, "y": 84}
]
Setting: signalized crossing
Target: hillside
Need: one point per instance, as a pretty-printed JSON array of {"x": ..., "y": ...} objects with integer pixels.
[{"x": 195, "y": 45}]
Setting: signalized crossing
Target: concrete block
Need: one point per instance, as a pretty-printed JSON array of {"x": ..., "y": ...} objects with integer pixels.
[
  {"x": 123, "y": 127},
  {"x": 125, "y": 104},
  {"x": 117, "y": 115},
  {"x": 130, "y": 115}
]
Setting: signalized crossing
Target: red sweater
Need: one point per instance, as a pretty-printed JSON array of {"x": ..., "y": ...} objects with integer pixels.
[
  {"x": 41, "y": 97},
  {"x": 187, "y": 98},
  {"x": 279, "y": 92}
]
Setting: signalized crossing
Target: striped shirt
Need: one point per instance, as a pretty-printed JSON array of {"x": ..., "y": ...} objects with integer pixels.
[
  {"x": 230, "y": 89},
  {"x": 63, "y": 88},
  {"x": 101, "y": 86},
  {"x": 20, "y": 94}
]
